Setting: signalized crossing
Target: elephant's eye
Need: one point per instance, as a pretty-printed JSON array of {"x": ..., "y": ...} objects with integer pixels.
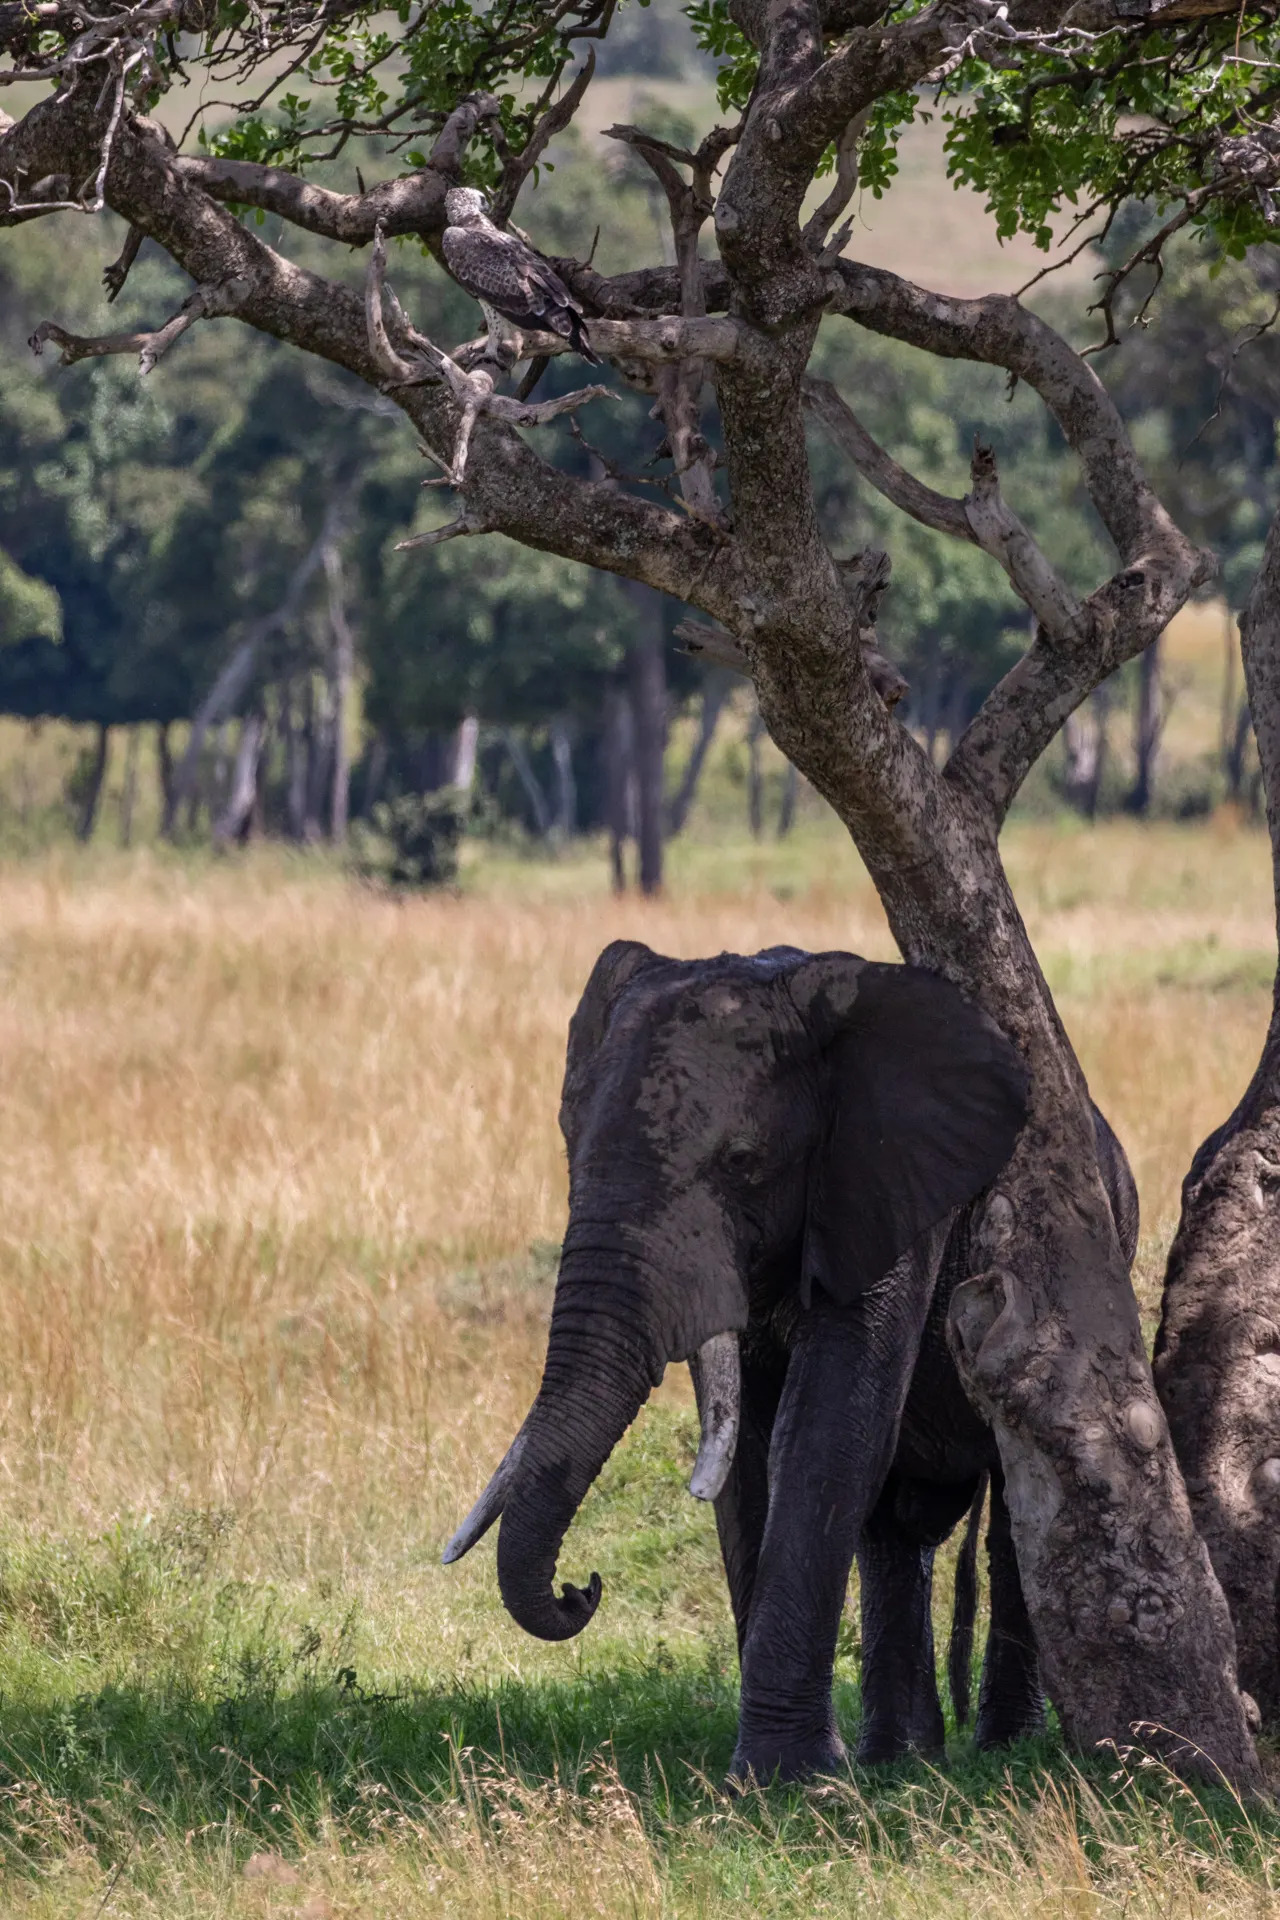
[{"x": 739, "y": 1155}]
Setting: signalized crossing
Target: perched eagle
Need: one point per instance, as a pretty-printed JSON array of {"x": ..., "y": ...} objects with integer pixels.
[{"x": 501, "y": 272}]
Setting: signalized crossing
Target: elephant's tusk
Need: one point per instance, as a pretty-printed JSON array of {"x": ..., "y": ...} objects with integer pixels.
[
  {"x": 488, "y": 1506},
  {"x": 717, "y": 1377}
]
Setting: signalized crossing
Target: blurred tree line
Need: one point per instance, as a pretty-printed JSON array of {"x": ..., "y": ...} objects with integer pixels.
[{"x": 216, "y": 553}]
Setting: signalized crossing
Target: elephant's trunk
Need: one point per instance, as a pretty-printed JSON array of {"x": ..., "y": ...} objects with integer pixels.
[{"x": 602, "y": 1363}]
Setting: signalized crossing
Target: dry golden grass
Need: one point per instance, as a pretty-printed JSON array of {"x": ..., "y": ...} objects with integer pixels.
[{"x": 281, "y": 1183}]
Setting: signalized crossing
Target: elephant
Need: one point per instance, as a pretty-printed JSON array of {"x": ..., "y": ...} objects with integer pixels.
[{"x": 776, "y": 1165}]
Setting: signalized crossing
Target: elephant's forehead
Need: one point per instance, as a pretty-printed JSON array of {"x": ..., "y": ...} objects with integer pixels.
[{"x": 696, "y": 1076}]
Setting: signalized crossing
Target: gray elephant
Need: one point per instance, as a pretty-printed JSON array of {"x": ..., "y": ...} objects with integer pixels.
[{"x": 773, "y": 1163}]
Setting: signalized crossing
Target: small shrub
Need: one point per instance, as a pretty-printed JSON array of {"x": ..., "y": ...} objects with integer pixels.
[{"x": 413, "y": 841}]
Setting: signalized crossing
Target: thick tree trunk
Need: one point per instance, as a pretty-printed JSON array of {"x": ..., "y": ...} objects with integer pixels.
[
  {"x": 715, "y": 691},
  {"x": 1217, "y": 1362},
  {"x": 129, "y": 790},
  {"x": 1131, "y": 1624},
  {"x": 1148, "y": 725},
  {"x": 647, "y": 675},
  {"x": 93, "y": 787}
]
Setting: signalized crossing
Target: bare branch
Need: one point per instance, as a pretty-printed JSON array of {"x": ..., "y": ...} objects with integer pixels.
[
  {"x": 554, "y": 121},
  {"x": 999, "y": 532},
  {"x": 846, "y": 182},
  {"x": 679, "y": 387},
  {"x": 466, "y": 523},
  {"x": 411, "y": 204},
  {"x": 206, "y": 303},
  {"x": 922, "y": 503},
  {"x": 997, "y": 331}
]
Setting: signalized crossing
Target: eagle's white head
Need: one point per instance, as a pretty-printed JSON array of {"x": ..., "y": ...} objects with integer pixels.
[{"x": 465, "y": 207}]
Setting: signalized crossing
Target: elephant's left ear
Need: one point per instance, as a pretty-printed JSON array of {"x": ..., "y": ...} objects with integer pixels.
[{"x": 927, "y": 1100}]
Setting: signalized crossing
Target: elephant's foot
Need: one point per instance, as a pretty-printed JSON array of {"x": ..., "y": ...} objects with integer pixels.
[
  {"x": 884, "y": 1739},
  {"x": 770, "y": 1760},
  {"x": 1008, "y": 1717}
]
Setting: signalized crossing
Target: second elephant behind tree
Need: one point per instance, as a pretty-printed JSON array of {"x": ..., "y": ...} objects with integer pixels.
[{"x": 775, "y": 1168}]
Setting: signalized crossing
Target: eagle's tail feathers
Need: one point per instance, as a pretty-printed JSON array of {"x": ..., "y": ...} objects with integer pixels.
[{"x": 582, "y": 343}]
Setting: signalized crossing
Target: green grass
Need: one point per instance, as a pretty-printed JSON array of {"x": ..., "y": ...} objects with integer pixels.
[{"x": 162, "y": 1708}]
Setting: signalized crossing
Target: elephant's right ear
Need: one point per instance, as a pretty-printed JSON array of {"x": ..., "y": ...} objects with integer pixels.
[
  {"x": 928, "y": 1098},
  {"x": 619, "y": 962}
]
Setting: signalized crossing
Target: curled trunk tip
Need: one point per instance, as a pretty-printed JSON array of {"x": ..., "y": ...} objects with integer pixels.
[{"x": 717, "y": 1378}]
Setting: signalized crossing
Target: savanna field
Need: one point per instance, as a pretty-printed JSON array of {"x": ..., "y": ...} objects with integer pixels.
[{"x": 282, "y": 1189}]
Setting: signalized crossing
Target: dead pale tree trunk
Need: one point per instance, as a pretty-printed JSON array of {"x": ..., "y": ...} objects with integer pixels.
[
  {"x": 1084, "y": 744},
  {"x": 530, "y": 782},
  {"x": 565, "y": 816},
  {"x": 755, "y": 777},
  {"x": 715, "y": 691},
  {"x": 234, "y": 821},
  {"x": 129, "y": 789},
  {"x": 95, "y": 778},
  {"x": 1217, "y": 1363},
  {"x": 1148, "y": 725},
  {"x": 236, "y": 676},
  {"x": 463, "y": 750},
  {"x": 647, "y": 682}
]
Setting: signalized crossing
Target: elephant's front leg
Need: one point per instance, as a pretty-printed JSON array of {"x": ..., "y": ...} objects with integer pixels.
[
  {"x": 833, "y": 1441},
  {"x": 742, "y": 1507}
]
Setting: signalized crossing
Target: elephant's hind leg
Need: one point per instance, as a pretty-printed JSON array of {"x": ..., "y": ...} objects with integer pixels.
[
  {"x": 1011, "y": 1698},
  {"x": 901, "y": 1712}
]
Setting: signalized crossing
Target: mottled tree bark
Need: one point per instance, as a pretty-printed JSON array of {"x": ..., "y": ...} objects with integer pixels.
[{"x": 1217, "y": 1363}]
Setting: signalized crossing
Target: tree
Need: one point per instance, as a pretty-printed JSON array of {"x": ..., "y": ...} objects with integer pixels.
[
  {"x": 1046, "y": 101},
  {"x": 1217, "y": 1360}
]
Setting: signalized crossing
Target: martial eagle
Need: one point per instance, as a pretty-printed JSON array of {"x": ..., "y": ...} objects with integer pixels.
[{"x": 501, "y": 272}]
